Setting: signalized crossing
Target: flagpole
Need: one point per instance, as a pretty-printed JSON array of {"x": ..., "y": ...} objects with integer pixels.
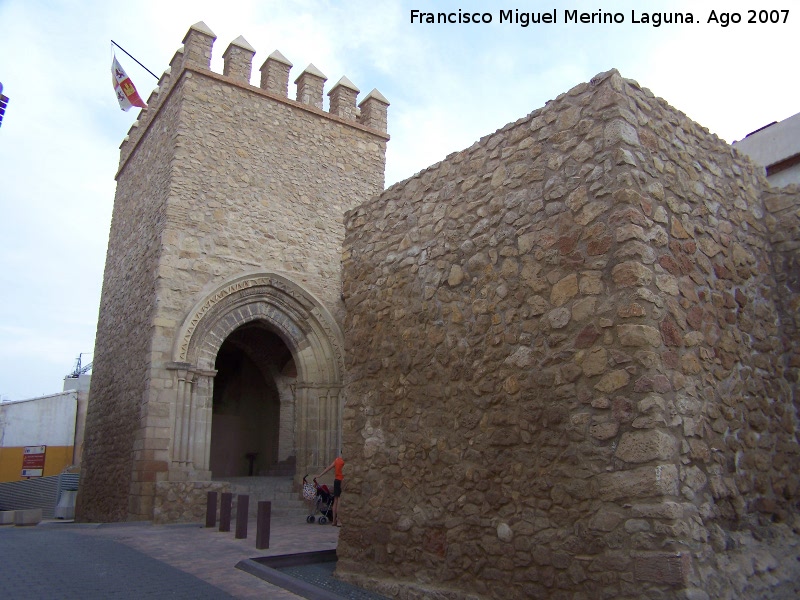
[{"x": 137, "y": 62}]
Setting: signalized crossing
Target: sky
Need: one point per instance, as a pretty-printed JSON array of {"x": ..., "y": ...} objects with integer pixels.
[{"x": 448, "y": 85}]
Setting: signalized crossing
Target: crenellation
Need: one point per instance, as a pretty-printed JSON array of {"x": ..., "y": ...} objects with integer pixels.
[
  {"x": 197, "y": 45},
  {"x": 238, "y": 60},
  {"x": 343, "y": 96},
  {"x": 154, "y": 97},
  {"x": 275, "y": 74},
  {"x": 160, "y": 91},
  {"x": 175, "y": 64},
  {"x": 310, "y": 85},
  {"x": 374, "y": 111},
  {"x": 196, "y": 53}
]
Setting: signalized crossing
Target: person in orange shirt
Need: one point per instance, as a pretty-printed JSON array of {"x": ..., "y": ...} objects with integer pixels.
[{"x": 337, "y": 465}]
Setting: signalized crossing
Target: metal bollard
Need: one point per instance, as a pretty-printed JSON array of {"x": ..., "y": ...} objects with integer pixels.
[
  {"x": 225, "y": 512},
  {"x": 263, "y": 524},
  {"x": 211, "y": 509},
  {"x": 242, "y": 506}
]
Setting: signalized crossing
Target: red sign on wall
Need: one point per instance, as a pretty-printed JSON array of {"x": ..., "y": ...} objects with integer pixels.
[{"x": 33, "y": 461}]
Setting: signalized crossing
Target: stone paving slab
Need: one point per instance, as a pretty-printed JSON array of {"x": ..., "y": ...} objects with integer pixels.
[
  {"x": 137, "y": 560},
  {"x": 42, "y": 564}
]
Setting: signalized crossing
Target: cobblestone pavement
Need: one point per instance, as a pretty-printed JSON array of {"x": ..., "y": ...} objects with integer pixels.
[{"x": 72, "y": 561}]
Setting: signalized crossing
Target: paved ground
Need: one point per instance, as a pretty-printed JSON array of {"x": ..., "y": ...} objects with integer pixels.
[{"x": 72, "y": 561}]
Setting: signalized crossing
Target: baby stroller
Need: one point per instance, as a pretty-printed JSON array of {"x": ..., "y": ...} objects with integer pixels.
[{"x": 320, "y": 499}]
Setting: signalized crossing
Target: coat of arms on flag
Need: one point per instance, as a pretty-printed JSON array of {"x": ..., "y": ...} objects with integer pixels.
[{"x": 124, "y": 88}]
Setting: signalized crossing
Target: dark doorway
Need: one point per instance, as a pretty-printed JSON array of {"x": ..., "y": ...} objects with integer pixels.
[{"x": 253, "y": 405}]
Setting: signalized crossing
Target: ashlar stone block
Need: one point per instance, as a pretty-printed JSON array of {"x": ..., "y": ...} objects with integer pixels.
[
  {"x": 643, "y": 482},
  {"x": 644, "y": 446}
]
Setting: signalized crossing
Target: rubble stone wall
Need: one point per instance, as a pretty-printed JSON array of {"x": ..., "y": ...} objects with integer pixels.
[
  {"x": 566, "y": 371},
  {"x": 185, "y": 501}
]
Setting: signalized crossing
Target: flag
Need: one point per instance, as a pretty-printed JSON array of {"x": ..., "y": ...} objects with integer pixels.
[
  {"x": 124, "y": 88},
  {"x": 3, "y": 104}
]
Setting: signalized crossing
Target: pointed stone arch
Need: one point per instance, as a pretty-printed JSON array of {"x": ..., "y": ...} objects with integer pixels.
[{"x": 310, "y": 333}]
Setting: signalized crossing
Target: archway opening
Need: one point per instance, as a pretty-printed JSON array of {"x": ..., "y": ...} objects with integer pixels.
[{"x": 252, "y": 424}]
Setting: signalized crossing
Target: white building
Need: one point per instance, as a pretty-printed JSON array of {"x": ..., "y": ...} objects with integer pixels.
[
  {"x": 51, "y": 426},
  {"x": 777, "y": 148}
]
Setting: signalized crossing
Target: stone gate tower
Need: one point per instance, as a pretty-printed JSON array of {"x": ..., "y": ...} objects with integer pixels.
[{"x": 219, "y": 348}]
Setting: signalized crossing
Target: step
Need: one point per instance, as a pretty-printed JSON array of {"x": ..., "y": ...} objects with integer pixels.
[{"x": 286, "y": 501}]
